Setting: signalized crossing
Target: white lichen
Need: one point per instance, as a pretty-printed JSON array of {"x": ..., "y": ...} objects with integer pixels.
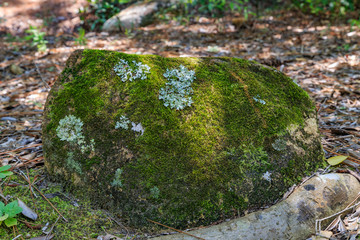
[
  {"x": 279, "y": 144},
  {"x": 178, "y": 88},
  {"x": 267, "y": 176},
  {"x": 72, "y": 164},
  {"x": 257, "y": 99},
  {"x": 155, "y": 192},
  {"x": 117, "y": 178},
  {"x": 70, "y": 130},
  {"x": 137, "y": 128},
  {"x": 128, "y": 73},
  {"x": 123, "y": 123}
]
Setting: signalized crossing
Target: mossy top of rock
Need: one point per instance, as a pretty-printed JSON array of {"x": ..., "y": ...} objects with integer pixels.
[{"x": 231, "y": 136}]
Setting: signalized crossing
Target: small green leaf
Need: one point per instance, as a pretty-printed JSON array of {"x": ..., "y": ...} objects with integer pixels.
[
  {"x": 2, "y": 218},
  {"x": 12, "y": 209},
  {"x": 9, "y": 222},
  {"x": 4, "y": 168},
  {"x": 7, "y": 173},
  {"x": 336, "y": 160}
]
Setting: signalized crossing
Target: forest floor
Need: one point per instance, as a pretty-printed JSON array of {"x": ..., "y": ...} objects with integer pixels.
[{"x": 322, "y": 57}]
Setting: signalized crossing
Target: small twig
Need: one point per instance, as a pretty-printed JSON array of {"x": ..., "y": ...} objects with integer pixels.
[
  {"x": 20, "y": 114},
  {"x": 42, "y": 79},
  {"x": 175, "y": 229},
  {"x": 17, "y": 232},
  {"x": 318, "y": 221},
  {"x": 30, "y": 185},
  {"x": 118, "y": 223},
  {"x": 26, "y": 163},
  {"x": 321, "y": 105},
  {"x": 30, "y": 188},
  {"x": 18, "y": 236},
  {"x": 14, "y": 150},
  {"x": 52, "y": 227},
  {"x": 133, "y": 237},
  {"x": 31, "y": 225},
  {"x": 45, "y": 198}
]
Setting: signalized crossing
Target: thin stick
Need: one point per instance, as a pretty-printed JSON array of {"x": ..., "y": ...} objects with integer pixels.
[
  {"x": 35, "y": 145},
  {"x": 51, "y": 229},
  {"x": 30, "y": 189},
  {"x": 133, "y": 237},
  {"x": 17, "y": 232},
  {"x": 27, "y": 180},
  {"x": 19, "y": 114},
  {"x": 175, "y": 229},
  {"x": 18, "y": 236},
  {"x": 318, "y": 221},
  {"x": 321, "y": 106},
  {"x": 42, "y": 79},
  {"x": 31, "y": 225},
  {"x": 25, "y": 163}
]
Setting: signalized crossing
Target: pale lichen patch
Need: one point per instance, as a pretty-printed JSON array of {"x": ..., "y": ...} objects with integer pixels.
[
  {"x": 279, "y": 144},
  {"x": 137, "y": 128},
  {"x": 117, "y": 182},
  {"x": 176, "y": 93},
  {"x": 311, "y": 127},
  {"x": 267, "y": 176},
  {"x": 127, "y": 72},
  {"x": 77, "y": 180},
  {"x": 70, "y": 130}
]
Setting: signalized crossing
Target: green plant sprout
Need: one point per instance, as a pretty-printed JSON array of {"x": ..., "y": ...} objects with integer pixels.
[
  {"x": 8, "y": 213},
  {"x": 37, "y": 38},
  {"x": 4, "y": 171},
  {"x": 81, "y": 39},
  {"x": 354, "y": 22}
]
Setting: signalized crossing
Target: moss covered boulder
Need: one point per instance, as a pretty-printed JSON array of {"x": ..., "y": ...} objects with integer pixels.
[{"x": 181, "y": 141}]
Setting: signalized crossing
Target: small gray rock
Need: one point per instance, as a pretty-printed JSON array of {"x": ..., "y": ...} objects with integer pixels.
[{"x": 132, "y": 17}]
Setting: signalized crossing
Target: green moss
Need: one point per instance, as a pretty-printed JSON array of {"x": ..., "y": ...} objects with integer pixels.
[
  {"x": 83, "y": 221},
  {"x": 190, "y": 167}
]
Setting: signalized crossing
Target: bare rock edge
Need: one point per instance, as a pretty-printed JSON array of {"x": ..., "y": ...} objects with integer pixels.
[{"x": 292, "y": 218}]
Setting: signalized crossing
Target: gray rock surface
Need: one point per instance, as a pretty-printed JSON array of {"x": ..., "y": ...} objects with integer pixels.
[
  {"x": 136, "y": 15},
  {"x": 293, "y": 218}
]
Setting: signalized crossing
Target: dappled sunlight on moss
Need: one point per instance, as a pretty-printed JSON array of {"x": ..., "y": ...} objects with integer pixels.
[{"x": 195, "y": 165}]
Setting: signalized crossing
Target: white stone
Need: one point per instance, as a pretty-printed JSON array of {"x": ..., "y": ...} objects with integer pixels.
[{"x": 131, "y": 17}]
